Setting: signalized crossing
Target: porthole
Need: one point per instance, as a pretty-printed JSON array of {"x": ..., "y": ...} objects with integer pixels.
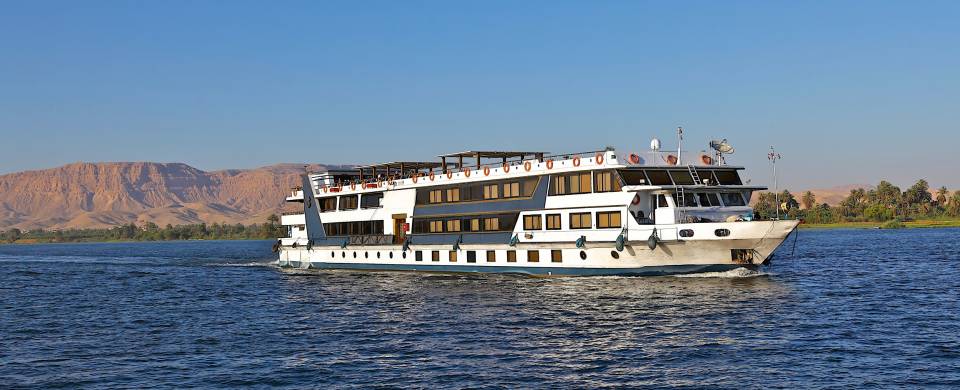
[
  {"x": 722, "y": 232},
  {"x": 354, "y": 255},
  {"x": 583, "y": 255},
  {"x": 333, "y": 254},
  {"x": 378, "y": 255},
  {"x": 343, "y": 254},
  {"x": 688, "y": 233},
  {"x": 366, "y": 255},
  {"x": 404, "y": 255},
  {"x": 615, "y": 255},
  {"x": 391, "y": 255}
]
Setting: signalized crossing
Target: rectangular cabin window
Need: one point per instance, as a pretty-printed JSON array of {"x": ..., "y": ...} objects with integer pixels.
[
  {"x": 453, "y": 225},
  {"x": 328, "y": 204},
  {"x": 728, "y": 178},
  {"x": 662, "y": 201},
  {"x": 732, "y": 199},
  {"x": 475, "y": 225},
  {"x": 452, "y": 256},
  {"x": 491, "y": 224},
  {"x": 571, "y": 183},
  {"x": 556, "y": 256},
  {"x": 435, "y": 256},
  {"x": 553, "y": 221},
  {"x": 491, "y": 256},
  {"x": 436, "y": 226},
  {"x": 491, "y": 191},
  {"x": 580, "y": 221},
  {"x": 453, "y": 194},
  {"x": 682, "y": 178},
  {"x": 608, "y": 219},
  {"x": 511, "y": 256},
  {"x": 530, "y": 186},
  {"x": 471, "y": 256},
  {"x": 511, "y": 190},
  {"x": 659, "y": 178},
  {"x": 531, "y": 222},
  {"x": 606, "y": 181},
  {"x": 418, "y": 255},
  {"x": 436, "y": 196},
  {"x": 348, "y": 202},
  {"x": 533, "y": 256},
  {"x": 371, "y": 201}
]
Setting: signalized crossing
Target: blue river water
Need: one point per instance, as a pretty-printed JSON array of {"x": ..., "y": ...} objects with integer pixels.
[{"x": 849, "y": 309}]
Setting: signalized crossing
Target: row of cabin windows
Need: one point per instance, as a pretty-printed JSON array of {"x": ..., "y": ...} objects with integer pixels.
[
  {"x": 660, "y": 177},
  {"x": 351, "y": 202},
  {"x": 485, "y": 223},
  {"x": 353, "y": 228},
  {"x": 533, "y": 256},
  {"x": 605, "y": 220},
  {"x": 479, "y": 191},
  {"x": 705, "y": 199},
  {"x": 580, "y": 183}
]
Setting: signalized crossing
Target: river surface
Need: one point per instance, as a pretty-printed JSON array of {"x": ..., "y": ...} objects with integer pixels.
[{"x": 849, "y": 309}]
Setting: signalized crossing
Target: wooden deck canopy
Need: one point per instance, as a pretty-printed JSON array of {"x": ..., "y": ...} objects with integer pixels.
[
  {"x": 402, "y": 168},
  {"x": 478, "y": 156}
]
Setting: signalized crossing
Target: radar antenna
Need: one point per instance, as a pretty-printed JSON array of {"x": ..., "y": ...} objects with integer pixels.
[{"x": 721, "y": 147}]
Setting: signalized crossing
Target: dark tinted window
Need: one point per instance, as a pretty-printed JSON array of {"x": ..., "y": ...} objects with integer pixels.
[
  {"x": 659, "y": 178},
  {"x": 370, "y": 201},
  {"x": 730, "y": 178}
]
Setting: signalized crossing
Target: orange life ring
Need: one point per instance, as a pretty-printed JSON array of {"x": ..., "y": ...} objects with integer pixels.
[
  {"x": 466, "y": 173},
  {"x": 506, "y": 168},
  {"x": 672, "y": 160},
  {"x": 549, "y": 164},
  {"x": 431, "y": 176},
  {"x": 707, "y": 160},
  {"x": 636, "y": 199},
  {"x": 486, "y": 171},
  {"x": 449, "y": 174},
  {"x": 576, "y": 161},
  {"x": 527, "y": 166},
  {"x": 353, "y": 186},
  {"x": 634, "y": 158},
  {"x": 599, "y": 158},
  {"x": 415, "y": 177}
]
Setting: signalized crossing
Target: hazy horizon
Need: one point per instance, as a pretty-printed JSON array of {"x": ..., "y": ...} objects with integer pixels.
[{"x": 848, "y": 92}]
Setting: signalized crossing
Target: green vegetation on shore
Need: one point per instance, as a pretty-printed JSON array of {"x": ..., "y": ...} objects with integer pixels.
[
  {"x": 883, "y": 207},
  {"x": 151, "y": 232}
]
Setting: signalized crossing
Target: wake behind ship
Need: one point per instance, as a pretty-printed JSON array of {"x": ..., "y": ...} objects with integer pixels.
[{"x": 591, "y": 213}]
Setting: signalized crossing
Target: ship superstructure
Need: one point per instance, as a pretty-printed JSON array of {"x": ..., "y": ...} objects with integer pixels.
[{"x": 591, "y": 213}]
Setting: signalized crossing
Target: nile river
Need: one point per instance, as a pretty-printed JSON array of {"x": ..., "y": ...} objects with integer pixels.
[{"x": 850, "y": 308}]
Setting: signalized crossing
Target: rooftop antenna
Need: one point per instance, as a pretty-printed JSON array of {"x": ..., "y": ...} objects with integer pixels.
[
  {"x": 679, "y": 145},
  {"x": 773, "y": 156},
  {"x": 721, "y": 147}
]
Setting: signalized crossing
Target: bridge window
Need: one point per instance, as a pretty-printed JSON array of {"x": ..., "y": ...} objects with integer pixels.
[
  {"x": 732, "y": 199},
  {"x": 728, "y": 178},
  {"x": 580, "y": 221},
  {"x": 682, "y": 178},
  {"x": 659, "y": 178},
  {"x": 531, "y": 222},
  {"x": 608, "y": 219}
]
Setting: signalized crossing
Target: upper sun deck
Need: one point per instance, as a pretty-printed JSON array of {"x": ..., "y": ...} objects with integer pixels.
[{"x": 471, "y": 166}]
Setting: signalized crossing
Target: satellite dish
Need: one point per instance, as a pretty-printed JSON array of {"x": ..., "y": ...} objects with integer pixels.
[
  {"x": 721, "y": 146},
  {"x": 655, "y": 144}
]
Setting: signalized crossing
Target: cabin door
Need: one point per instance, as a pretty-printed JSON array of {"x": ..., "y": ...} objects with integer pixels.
[{"x": 399, "y": 228}]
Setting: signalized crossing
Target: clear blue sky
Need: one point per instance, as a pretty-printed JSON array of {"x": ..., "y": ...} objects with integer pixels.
[{"x": 848, "y": 91}]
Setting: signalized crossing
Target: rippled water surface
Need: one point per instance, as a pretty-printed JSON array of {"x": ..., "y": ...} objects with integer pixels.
[{"x": 852, "y": 308}]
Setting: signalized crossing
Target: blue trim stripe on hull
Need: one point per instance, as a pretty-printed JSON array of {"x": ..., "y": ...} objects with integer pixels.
[{"x": 575, "y": 271}]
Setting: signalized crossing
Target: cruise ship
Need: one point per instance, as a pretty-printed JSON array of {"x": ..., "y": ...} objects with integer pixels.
[{"x": 592, "y": 213}]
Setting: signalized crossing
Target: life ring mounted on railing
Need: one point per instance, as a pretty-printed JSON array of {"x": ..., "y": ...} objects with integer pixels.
[
  {"x": 576, "y": 161},
  {"x": 636, "y": 200},
  {"x": 466, "y": 173},
  {"x": 506, "y": 168},
  {"x": 415, "y": 177},
  {"x": 634, "y": 158},
  {"x": 486, "y": 171},
  {"x": 599, "y": 158},
  {"x": 527, "y": 166},
  {"x": 449, "y": 174},
  {"x": 432, "y": 176},
  {"x": 549, "y": 164}
]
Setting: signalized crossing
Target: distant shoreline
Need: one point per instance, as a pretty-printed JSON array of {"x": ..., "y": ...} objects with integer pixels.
[
  {"x": 36, "y": 242},
  {"x": 916, "y": 224}
]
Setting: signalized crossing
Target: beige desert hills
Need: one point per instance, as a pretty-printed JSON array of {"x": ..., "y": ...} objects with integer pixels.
[{"x": 97, "y": 195}]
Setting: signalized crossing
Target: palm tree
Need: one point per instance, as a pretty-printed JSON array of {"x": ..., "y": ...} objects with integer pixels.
[
  {"x": 942, "y": 194},
  {"x": 809, "y": 200}
]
